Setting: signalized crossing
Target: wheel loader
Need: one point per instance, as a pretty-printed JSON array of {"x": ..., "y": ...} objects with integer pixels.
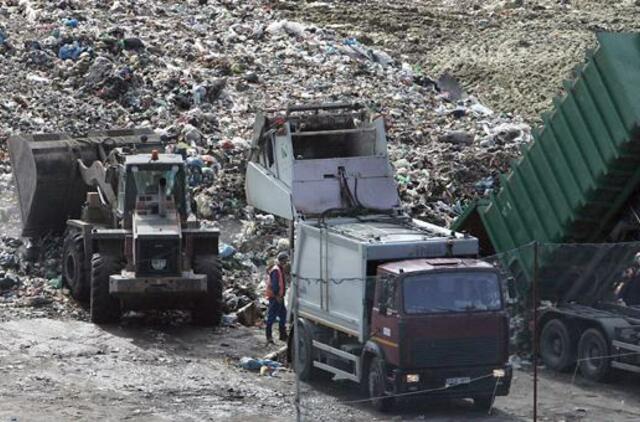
[{"x": 130, "y": 239}]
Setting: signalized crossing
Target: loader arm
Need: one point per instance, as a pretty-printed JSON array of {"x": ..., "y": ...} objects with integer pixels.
[{"x": 95, "y": 175}]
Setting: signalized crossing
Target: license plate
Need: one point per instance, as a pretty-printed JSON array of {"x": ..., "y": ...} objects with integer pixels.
[{"x": 458, "y": 381}]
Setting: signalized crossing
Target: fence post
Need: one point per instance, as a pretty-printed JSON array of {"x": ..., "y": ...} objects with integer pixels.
[
  {"x": 296, "y": 334},
  {"x": 534, "y": 346}
]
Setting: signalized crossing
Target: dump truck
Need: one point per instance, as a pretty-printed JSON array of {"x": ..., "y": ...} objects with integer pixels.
[
  {"x": 130, "y": 239},
  {"x": 397, "y": 305},
  {"x": 573, "y": 197}
]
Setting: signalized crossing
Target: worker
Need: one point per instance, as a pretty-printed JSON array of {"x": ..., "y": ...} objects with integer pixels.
[{"x": 276, "y": 289}]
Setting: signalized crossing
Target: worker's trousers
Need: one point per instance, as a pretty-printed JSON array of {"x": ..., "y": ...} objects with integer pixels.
[{"x": 276, "y": 310}]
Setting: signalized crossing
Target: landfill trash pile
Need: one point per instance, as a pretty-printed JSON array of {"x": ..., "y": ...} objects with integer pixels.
[
  {"x": 513, "y": 54},
  {"x": 197, "y": 72}
]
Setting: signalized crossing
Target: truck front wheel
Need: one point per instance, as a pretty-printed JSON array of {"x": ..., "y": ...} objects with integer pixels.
[
  {"x": 593, "y": 345},
  {"x": 483, "y": 403},
  {"x": 377, "y": 386},
  {"x": 208, "y": 309},
  {"x": 104, "y": 308},
  {"x": 556, "y": 346}
]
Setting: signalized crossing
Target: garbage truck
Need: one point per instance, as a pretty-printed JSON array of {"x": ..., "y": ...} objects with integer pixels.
[
  {"x": 397, "y": 305},
  {"x": 130, "y": 239},
  {"x": 566, "y": 217}
]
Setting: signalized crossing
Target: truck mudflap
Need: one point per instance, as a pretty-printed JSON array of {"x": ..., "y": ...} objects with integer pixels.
[
  {"x": 452, "y": 382},
  {"x": 127, "y": 284}
]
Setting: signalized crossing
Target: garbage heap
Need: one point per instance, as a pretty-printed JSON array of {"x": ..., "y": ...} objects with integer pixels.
[{"x": 197, "y": 71}]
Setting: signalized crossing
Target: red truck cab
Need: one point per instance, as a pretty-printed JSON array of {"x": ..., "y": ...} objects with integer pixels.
[{"x": 442, "y": 328}]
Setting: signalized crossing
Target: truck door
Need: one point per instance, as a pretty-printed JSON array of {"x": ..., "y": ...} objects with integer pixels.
[{"x": 385, "y": 327}]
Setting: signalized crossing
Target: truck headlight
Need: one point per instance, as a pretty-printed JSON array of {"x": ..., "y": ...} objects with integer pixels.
[
  {"x": 158, "y": 264},
  {"x": 498, "y": 373},
  {"x": 413, "y": 378}
]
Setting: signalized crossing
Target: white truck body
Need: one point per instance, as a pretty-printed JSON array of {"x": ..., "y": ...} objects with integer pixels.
[{"x": 331, "y": 260}]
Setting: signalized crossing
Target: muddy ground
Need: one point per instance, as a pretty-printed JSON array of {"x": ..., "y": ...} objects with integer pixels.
[{"x": 140, "y": 371}]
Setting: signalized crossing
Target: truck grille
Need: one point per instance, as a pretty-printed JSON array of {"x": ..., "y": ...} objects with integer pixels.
[
  {"x": 153, "y": 248},
  {"x": 452, "y": 352}
]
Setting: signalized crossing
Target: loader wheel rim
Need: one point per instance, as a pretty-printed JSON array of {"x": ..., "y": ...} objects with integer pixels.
[{"x": 70, "y": 267}]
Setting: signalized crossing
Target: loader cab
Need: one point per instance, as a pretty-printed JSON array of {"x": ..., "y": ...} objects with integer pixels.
[
  {"x": 423, "y": 303},
  {"x": 151, "y": 186}
]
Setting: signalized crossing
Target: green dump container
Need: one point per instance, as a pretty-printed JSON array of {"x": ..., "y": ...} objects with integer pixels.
[{"x": 573, "y": 181}]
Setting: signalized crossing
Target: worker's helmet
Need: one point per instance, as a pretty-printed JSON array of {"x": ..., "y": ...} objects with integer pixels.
[{"x": 283, "y": 257}]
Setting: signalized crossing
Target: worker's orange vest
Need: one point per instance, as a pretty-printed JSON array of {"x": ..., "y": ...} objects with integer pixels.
[{"x": 269, "y": 292}]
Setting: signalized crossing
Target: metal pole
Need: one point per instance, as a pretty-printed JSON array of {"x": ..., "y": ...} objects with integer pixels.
[
  {"x": 535, "y": 331},
  {"x": 295, "y": 282}
]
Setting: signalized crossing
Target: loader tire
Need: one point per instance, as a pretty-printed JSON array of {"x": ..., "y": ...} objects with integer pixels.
[
  {"x": 104, "y": 308},
  {"x": 208, "y": 309},
  {"x": 73, "y": 268}
]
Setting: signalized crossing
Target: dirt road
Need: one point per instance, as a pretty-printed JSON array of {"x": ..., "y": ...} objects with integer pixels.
[{"x": 74, "y": 370}]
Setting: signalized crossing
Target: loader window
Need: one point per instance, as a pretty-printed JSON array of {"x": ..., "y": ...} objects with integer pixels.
[
  {"x": 148, "y": 181},
  {"x": 122, "y": 186}
]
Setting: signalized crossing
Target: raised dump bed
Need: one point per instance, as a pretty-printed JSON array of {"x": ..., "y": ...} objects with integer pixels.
[{"x": 575, "y": 179}]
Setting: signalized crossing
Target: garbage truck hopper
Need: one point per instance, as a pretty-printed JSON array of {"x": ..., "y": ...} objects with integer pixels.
[
  {"x": 576, "y": 178},
  {"x": 45, "y": 167}
]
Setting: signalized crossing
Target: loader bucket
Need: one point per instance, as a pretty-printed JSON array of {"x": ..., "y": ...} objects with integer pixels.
[{"x": 49, "y": 186}]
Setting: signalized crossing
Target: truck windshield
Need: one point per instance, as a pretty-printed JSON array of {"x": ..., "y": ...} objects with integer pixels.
[{"x": 451, "y": 292}]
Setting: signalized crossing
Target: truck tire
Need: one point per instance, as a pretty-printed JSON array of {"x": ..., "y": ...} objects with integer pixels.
[
  {"x": 593, "y": 344},
  {"x": 483, "y": 403},
  {"x": 104, "y": 308},
  {"x": 377, "y": 386},
  {"x": 73, "y": 268},
  {"x": 208, "y": 309},
  {"x": 303, "y": 354},
  {"x": 557, "y": 348}
]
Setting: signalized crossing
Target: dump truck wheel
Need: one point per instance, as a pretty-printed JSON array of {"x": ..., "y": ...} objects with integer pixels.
[
  {"x": 208, "y": 310},
  {"x": 593, "y": 344},
  {"x": 73, "y": 270},
  {"x": 483, "y": 403},
  {"x": 302, "y": 356},
  {"x": 377, "y": 386},
  {"x": 557, "y": 348},
  {"x": 104, "y": 307}
]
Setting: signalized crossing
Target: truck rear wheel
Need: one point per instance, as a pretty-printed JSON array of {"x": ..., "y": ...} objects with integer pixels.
[
  {"x": 592, "y": 346},
  {"x": 104, "y": 308},
  {"x": 556, "y": 346},
  {"x": 377, "y": 386},
  {"x": 73, "y": 269},
  {"x": 208, "y": 309},
  {"x": 303, "y": 354}
]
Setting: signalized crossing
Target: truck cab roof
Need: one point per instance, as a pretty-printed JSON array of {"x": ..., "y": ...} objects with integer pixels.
[{"x": 434, "y": 264}]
